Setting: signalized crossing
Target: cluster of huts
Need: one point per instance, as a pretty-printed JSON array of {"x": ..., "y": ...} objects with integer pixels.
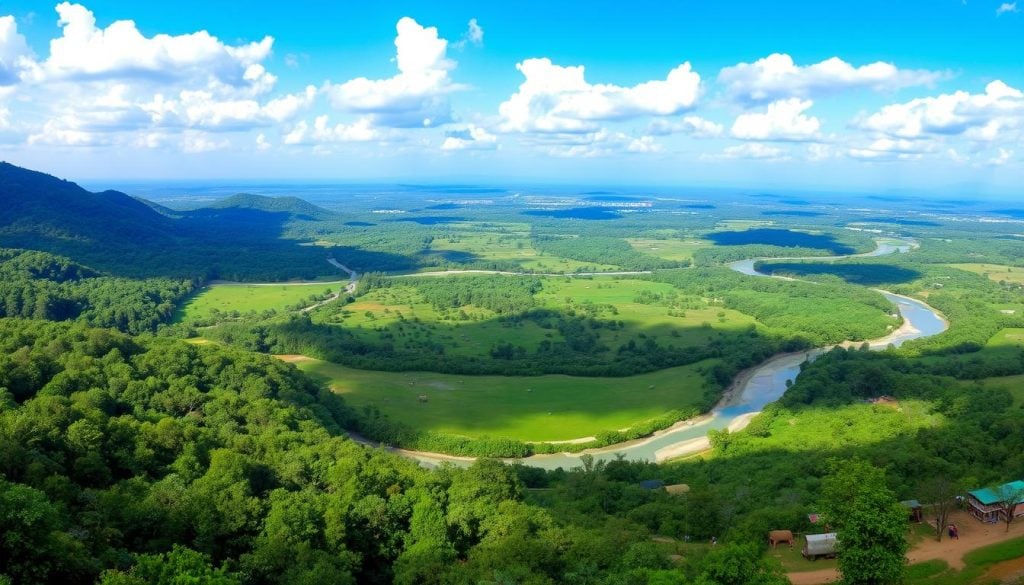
[{"x": 985, "y": 504}]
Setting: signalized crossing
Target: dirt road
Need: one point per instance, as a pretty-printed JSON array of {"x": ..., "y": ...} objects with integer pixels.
[{"x": 973, "y": 535}]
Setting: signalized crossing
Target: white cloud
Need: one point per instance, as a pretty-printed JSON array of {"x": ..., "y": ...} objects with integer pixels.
[
  {"x": 1002, "y": 158},
  {"x": 321, "y": 132},
  {"x": 753, "y": 150},
  {"x": 262, "y": 143},
  {"x": 819, "y": 152},
  {"x": 195, "y": 142},
  {"x": 474, "y": 35},
  {"x": 782, "y": 120},
  {"x": 600, "y": 143},
  {"x": 120, "y": 51},
  {"x": 888, "y": 149},
  {"x": 694, "y": 126},
  {"x": 777, "y": 76},
  {"x": 981, "y": 117},
  {"x": 471, "y": 138},
  {"x": 558, "y": 99},
  {"x": 1006, "y": 7},
  {"x": 15, "y": 56},
  {"x": 417, "y": 95}
]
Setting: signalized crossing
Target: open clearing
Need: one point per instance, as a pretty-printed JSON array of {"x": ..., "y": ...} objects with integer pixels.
[
  {"x": 674, "y": 249},
  {"x": 1012, "y": 384},
  {"x": 535, "y": 408},
  {"x": 400, "y": 315},
  {"x": 508, "y": 243},
  {"x": 244, "y": 298},
  {"x": 995, "y": 272},
  {"x": 962, "y": 561}
]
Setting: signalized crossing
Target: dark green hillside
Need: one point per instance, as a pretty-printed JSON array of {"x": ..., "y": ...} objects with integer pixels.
[
  {"x": 246, "y": 237},
  {"x": 291, "y": 205},
  {"x": 36, "y": 206}
]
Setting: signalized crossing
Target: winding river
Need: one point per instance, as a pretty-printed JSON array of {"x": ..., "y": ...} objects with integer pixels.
[{"x": 750, "y": 392}]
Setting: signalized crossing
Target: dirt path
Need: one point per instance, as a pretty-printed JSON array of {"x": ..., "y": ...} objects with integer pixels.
[
  {"x": 353, "y": 280},
  {"x": 973, "y": 535}
]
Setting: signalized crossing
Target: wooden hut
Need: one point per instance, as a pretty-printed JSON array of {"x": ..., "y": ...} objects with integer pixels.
[{"x": 914, "y": 510}]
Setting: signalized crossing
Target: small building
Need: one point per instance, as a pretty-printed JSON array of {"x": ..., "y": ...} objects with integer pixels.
[
  {"x": 819, "y": 545},
  {"x": 914, "y": 510},
  {"x": 987, "y": 505}
]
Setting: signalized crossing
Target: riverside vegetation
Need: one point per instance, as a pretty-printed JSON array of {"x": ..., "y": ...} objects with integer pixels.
[{"x": 130, "y": 455}]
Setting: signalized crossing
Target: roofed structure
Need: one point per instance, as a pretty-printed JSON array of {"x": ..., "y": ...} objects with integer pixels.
[{"x": 988, "y": 505}]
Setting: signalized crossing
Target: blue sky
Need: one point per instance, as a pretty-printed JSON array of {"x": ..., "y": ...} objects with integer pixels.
[{"x": 918, "y": 96}]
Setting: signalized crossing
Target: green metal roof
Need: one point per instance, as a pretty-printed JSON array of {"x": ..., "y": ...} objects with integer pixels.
[{"x": 989, "y": 496}]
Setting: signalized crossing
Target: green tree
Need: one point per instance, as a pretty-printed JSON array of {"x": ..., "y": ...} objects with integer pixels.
[
  {"x": 735, "y": 564},
  {"x": 869, "y": 523}
]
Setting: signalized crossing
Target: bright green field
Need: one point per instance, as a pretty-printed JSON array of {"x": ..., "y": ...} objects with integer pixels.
[
  {"x": 400, "y": 314},
  {"x": 676, "y": 249},
  {"x": 1007, "y": 336},
  {"x": 827, "y": 429},
  {"x": 1012, "y": 384},
  {"x": 509, "y": 242},
  {"x": 249, "y": 297},
  {"x": 995, "y": 272},
  {"x": 540, "y": 408}
]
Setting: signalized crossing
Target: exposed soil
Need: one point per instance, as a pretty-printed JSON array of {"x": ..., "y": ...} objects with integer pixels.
[{"x": 973, "y": 535}]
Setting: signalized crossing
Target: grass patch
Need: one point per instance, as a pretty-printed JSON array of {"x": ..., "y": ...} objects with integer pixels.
[
  {"x": 995, "y": 272},
  {"x": 1012, "y": 384},
  {"x": 401, "y": 316},
  {"x": 248, "y": 298},
  {"x": 978, "y": 563},
  {"x": 794, "y": 562},
  {"x": 536, "y": 408},
  {"x": 506, "y": 243},
  {"x": 675, "y": 249},
  {"x": 827, "y": 429}
]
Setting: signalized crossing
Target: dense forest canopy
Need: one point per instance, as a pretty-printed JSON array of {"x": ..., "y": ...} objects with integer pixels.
[{"x": 139, "y": 446}]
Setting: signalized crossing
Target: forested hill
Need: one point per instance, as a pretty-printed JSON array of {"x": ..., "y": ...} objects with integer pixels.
[
  {"x": 243, "y": 238},
  {"x": 36, "y": 207},
  {"x": 292, "y": 205}
]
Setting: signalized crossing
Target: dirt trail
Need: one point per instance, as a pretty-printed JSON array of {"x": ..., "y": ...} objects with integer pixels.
[
  {"x": 353, "y": 280},
  {"x": 973, "y": 535}
]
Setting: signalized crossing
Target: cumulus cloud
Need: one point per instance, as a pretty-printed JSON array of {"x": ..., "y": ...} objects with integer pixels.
[
  {"x": 753, "y": 150},
  {"x": 600, "y": 143},
  {"x": 694, "y": 126},
  {"x": 981, "y": 117},
  {"x": 471, "y": 138},
  {"x": 777, "y": 76},
  {"x": 1006, "y": 7},
  {"x": 15, "y": 56},
  {"x": 98, "y": 83},
  {"x": 417, "y": 95},
  {"x": 321, "y": 132},
  {"x": 783, "y": 120},
  {"x": 120, "y": 51},
  {"x": 558, "y": 99}
]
